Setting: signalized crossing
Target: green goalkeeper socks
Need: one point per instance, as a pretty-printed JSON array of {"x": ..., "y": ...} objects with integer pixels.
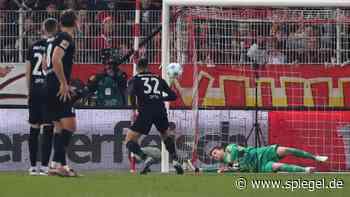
[
  {"x": 291, "y": 168},
  {"x": 300, "y": 153}
]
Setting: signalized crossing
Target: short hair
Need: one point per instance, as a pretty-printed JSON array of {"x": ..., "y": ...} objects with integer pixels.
[
  {"x": 214, "y": 148},
  {"x": 50, "y": 25},
  {"x": 143, "y": 63},
  {"x": 68, "y": 18}
]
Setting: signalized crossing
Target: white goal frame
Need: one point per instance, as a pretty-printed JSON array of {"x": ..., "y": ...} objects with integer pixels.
[{"x": 226, "y": 3}]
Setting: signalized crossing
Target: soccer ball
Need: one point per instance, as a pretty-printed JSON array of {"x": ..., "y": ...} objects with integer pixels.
[{"x": 174, "y": 70}]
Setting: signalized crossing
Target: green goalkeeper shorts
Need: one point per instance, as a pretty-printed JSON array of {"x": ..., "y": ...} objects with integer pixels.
[{"x": 268, "y": 156}]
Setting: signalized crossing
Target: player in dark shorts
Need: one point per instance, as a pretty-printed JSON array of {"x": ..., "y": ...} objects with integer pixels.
[
  {"x": 35, "y": 76},
  {"x": 147, "y": 93},
  {"x": 60, "y": 53}
]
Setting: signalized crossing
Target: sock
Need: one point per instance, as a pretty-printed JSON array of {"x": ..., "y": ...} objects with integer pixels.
[
  {"x": 300, "y": 153},
  {"x": 170, "y": 146},
  {"x": 46, "y": 145},
  {"x": 33, "y": 145},
  {"x": 291, "y": 168},
  {"x": 135, "y": 148},
  {"x": 66, "y": 136},
  {"x": 58, "y": 148}
]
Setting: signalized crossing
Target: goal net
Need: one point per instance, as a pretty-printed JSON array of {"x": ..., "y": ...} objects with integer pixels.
[{"x": 290, "y": 64}]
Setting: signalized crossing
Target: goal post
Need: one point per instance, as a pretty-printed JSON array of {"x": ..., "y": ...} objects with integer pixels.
[{"x": 167, "y": 31}]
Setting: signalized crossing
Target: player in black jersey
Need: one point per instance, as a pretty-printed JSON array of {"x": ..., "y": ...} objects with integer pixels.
[
  {"x": 148, "y": 93},
  {"x": 60, "y": 54},
  {"x": 35, "y": 76}
]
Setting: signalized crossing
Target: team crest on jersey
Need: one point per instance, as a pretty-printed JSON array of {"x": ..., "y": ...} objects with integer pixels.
[{"x": 64, "y": 44}]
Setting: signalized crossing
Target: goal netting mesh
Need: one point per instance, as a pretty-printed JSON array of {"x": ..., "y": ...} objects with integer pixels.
[{"x": 295, "y": 58}]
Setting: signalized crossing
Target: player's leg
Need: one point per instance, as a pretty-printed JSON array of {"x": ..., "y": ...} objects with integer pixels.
[
  {"x": 47, "y": 136},
  {"x": 133, "y": 146},
  {"x": 285, "y": 151},
  {"x": 162, "y": 124},
  {"x": 46, "y": 147},
  {"x": 33, "y": 144},
  {"x": 141, "y": 126},
  {"x": 132, "y": 138},
  {"x": 169, "y": 143},
  {"x": 57, "y": 141},
  {"x": 283, "y": 167},
  {"x": 53, "y": 109},
  {"x": 68, "y": 129},
  {"x": 64, "y": 130},
  {"x": 34, "y": 131}
]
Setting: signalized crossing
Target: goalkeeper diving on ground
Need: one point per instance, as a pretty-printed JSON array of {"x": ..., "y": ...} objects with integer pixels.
[{"x": 261, "y": 159}]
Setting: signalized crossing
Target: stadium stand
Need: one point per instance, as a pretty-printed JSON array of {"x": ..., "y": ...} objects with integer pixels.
[{"x": 288, "y": 36}]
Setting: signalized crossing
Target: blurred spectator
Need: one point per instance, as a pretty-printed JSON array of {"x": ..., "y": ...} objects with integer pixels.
[
  {"x": 31, "y": 33},
  {"x": 246, "y": 39},
  {"x": 9, "y": 34},
  {"x": 104, "y": 4},
  {"x": 82, "y": 4},
  {"x": 312, "y": 47},
  {"x": 292, "y": 35},
  {"x": 124, "y": 5},
  {"x": 327, "y": 34},
  {"x": 5, "y": 70},
  {"x": 112, "y": 34},
  {"x": 68, "y": 4},
  {"x": 84, "y": 23},
  {"x": 84, "y": 38},
  {"x": 148, "y": 8},
  {"x": 51, "y": 10},
  {"x": 104, "y": 40},
  {"x": 9, "y": 5},
  {"x": 296, "y": 44},
  {"x": 45, "y": 10},
  {"x": 235, "y": 48},
  {"x": 276, "y": 57},
  {"x": 2, "y": 4}
]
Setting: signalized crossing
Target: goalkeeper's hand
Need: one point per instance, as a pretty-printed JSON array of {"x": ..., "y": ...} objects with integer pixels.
[{"x": 231, "y": 167}]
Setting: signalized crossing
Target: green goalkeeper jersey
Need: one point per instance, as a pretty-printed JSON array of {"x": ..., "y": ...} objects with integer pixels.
[
  {"x": 231, "y": 153},
  {"x": 235, "y": 154},
  {"x": 250, "y": 159}
]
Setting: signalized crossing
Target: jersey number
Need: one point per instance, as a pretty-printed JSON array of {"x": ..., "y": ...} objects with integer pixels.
[
  {"x": 48, "y": 55},
  {"x": 36, "y": 71},
  {"x": 149, "y": 88}
]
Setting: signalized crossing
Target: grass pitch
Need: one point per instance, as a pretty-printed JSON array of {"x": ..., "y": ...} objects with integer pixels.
[{"x": 110, "y": 184}]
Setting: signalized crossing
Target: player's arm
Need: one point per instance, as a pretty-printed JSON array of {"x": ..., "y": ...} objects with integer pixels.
[
  {"x": 64, "y": 92},
  {"x": 170, "y": 94},
  {"x": 28, "y": 75},
  {"x": 28, "y": 69},
  {"x": 131, "y": 91},
  {"x": 57, "y": 64},
  {"x": 214, "y": 168}
]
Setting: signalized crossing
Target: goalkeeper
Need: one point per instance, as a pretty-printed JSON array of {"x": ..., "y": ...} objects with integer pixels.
[{"x": 262, "y": 159}]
